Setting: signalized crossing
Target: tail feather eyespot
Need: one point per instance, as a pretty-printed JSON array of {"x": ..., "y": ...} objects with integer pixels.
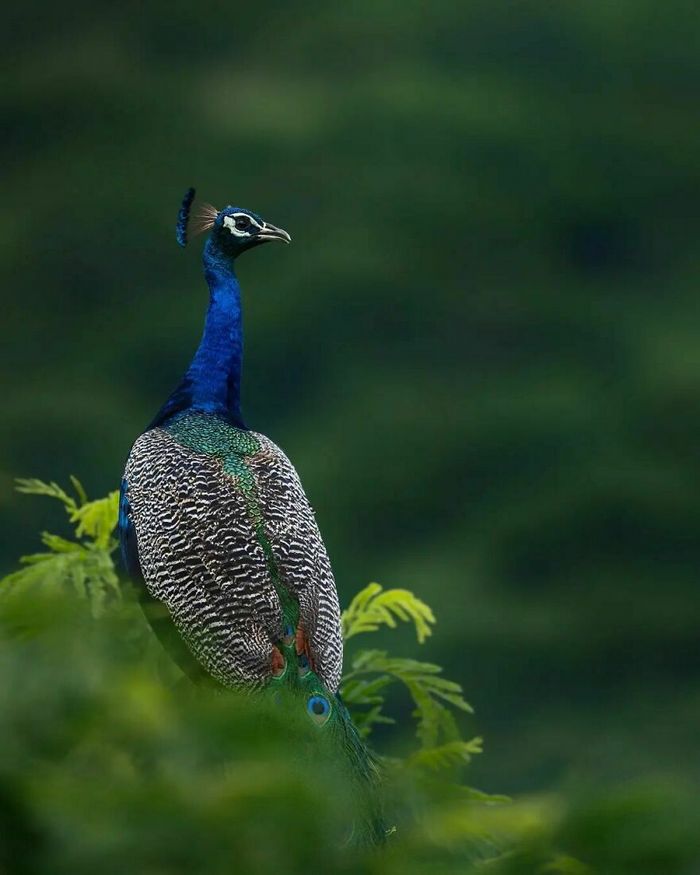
[
  {"x": 319, "y": 709},
  {"x": 288, "y": 635},
  {"x": 304, "y": 665}
]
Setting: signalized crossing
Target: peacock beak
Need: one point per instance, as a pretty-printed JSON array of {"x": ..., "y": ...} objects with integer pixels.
[{"x": 270, "y": 232}]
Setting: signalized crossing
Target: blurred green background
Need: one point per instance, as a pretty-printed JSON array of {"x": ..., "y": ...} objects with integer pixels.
[{"x": 482, "y": 351}]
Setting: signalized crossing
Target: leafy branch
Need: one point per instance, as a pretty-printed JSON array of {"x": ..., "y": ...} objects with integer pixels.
[
  {"x": 435, "y": 698},
  {"x": 374, "y": 606},
  {"x": 83, "y": 564}
]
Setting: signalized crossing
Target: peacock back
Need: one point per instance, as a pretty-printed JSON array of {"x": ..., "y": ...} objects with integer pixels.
[{"x": 228, "y": 543}]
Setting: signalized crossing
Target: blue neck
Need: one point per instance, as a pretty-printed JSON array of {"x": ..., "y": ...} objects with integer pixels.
[{"x": 212, "y": 383}]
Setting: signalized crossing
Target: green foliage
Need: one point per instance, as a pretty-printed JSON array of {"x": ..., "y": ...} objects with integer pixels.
[
  {"x": 104, "y": 767},
  {"x": 372, "y": 671},
  {"x": 95, "y": 520},
  {"x": 373, "y": 607},
  {"x": 446, "y": 755},
  {"x": 84, "y": 563}
]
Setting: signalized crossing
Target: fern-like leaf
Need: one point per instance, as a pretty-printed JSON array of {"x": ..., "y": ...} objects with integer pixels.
[
  {"x": 365, "y": 700},
  {"x": 97, "y": 519},
  {"x": 32, "y": 486},
  {"x": 79, "y": 489},
  {"x": 57, "y": 544},
  {"x": 447, "y": 755},
  {"x": 84, "y": 564},
  {"x": 374, "y": 606},
  {"x": 431, "y": 694}
]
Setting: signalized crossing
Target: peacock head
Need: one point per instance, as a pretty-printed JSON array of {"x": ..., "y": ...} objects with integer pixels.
[{"x": 233, "y": 229}]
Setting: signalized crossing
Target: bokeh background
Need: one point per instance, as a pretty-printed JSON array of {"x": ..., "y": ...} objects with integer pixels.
[{"x": 482, "y": 350}]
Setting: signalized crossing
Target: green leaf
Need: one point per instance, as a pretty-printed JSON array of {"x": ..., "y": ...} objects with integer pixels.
[
  {"x": 451, "y": 753},
  {"x": 32, "y": 486},
  {"x": 97, "y": 519},
  {"x": 565, "y": 865},
  {"x": 84, "y": 564},
  {"x": 423, "y": 682},
  {"x": 57, "y": 544},
  {"x": 42, "y": 569},
  {"x": 365, "y": 692},
  {"x": 474, "y": 795},
  {"x": 79, "y": 490},
  {"x": 374, "y": 606}
]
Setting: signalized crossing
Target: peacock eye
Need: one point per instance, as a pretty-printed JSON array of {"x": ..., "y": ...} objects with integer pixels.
[
  {"x": 242, "y": 223},
  {"x": 319, "y": 709},
  {"x": 304, "y": 666}
]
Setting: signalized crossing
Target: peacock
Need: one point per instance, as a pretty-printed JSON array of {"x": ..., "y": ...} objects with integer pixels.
[{"x": 219, "y": 537}]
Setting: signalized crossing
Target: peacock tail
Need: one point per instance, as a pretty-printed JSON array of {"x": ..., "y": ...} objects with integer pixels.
[{"x": 218, "y": 534}]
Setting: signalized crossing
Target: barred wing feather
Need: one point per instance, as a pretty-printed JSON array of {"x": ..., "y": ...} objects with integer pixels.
[{"x": 197, "y": 526}]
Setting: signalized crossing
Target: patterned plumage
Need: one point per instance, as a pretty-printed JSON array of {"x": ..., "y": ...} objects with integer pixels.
[
  {"x": 226, "y": 537},
  {"x": 217, "y": 530}
]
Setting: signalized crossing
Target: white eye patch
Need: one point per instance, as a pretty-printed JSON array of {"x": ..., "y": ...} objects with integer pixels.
[{"x": 247, "y": 224}]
